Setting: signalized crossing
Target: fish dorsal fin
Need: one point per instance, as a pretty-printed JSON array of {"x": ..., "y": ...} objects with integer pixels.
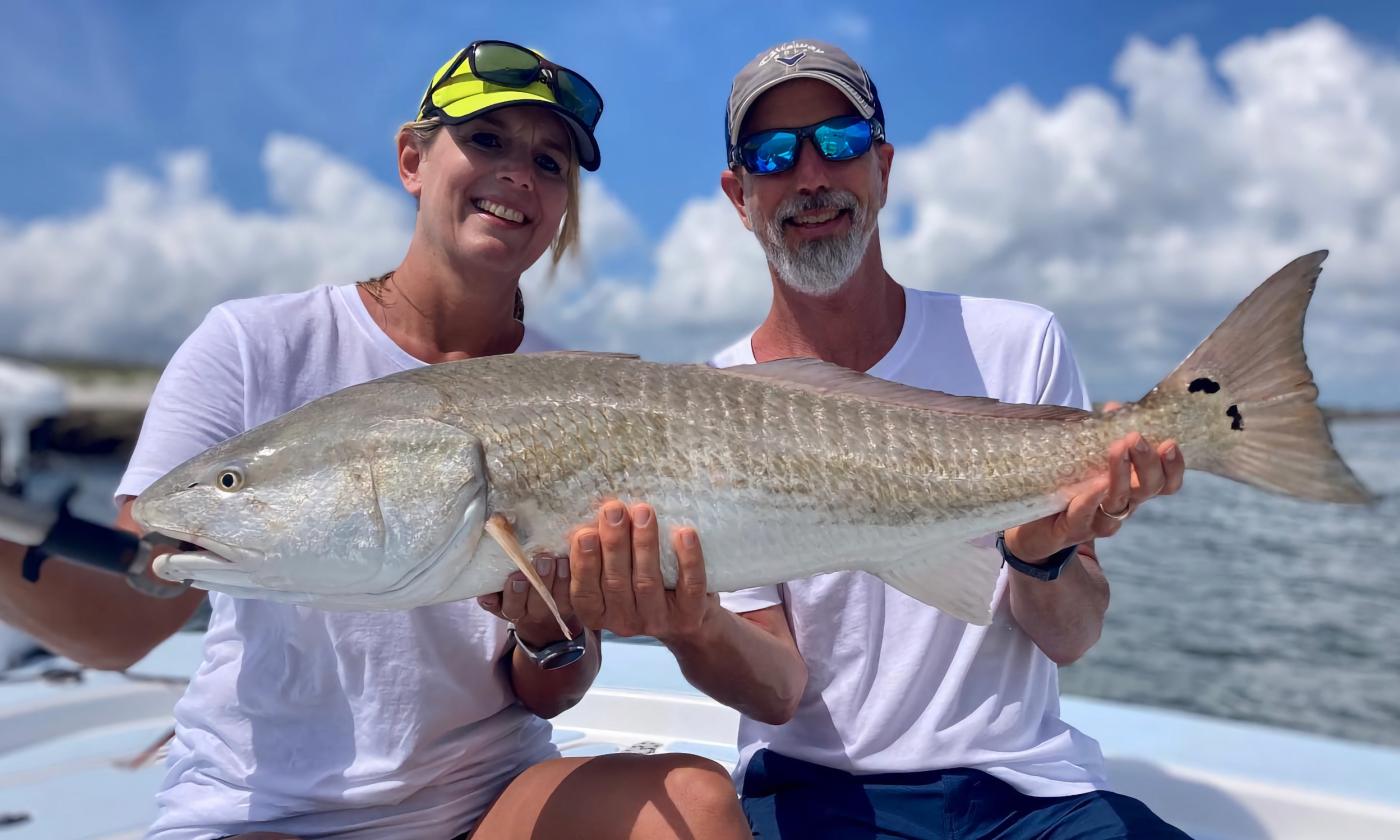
[{"x": 826, "y": 378}]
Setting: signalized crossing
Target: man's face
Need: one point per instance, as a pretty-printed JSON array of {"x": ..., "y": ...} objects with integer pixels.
[{"x": 815, "y": 220}]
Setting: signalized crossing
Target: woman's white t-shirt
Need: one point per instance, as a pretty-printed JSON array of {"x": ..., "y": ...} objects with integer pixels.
[{"x": 315, "y": 723}]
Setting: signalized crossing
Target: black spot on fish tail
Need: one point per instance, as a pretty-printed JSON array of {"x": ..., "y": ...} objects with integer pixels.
[
  {"x": 1236, "y": 419},
  {"x": 1210, "y": 386}
]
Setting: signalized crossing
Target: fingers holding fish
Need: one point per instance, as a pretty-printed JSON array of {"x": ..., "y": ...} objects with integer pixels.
[
  {"x": 523, "y": 606},
  {"x": 619, "y": 600},
  {"x": 691, "y": 599},
  {"x": 1117, "y": 503},
  {"x": 1138, "y": 471},
  {"x": 1173, "y": 467},
  {"x": 585, "y": 568},
  {"x": 648, "y": 588}
]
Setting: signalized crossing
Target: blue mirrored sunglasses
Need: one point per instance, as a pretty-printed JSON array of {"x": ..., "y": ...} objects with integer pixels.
[{"x": 776, "y": 150}]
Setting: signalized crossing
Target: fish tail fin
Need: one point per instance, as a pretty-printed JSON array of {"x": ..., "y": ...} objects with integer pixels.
[
  {"x": 960, "y": 579},
  {"x": 1272, "y": 434}
]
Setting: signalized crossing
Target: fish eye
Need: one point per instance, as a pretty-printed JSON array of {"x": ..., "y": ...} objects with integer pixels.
[{"x": 230, "y": 479}]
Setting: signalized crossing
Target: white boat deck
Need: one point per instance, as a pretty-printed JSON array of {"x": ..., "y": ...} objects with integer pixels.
[{"x": 65, "y": 747}]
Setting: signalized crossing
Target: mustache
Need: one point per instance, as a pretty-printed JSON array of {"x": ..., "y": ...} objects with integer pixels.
[{"x": 824, "y": 200}]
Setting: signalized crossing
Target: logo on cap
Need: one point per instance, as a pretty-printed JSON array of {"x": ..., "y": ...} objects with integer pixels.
[{"x": 790, "y": 53}]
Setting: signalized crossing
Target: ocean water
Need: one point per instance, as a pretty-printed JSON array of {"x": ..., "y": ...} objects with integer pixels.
[
  {"x": 1236, "y": 603},
  {"x": 1225, "y": 601}
]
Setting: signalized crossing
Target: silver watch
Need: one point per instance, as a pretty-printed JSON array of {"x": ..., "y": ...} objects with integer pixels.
[{"x": 556, "y": 655}]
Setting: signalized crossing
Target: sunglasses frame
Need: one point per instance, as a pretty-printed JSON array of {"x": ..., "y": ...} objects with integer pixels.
[
  {"x": 808, "y": 132},
  {"x": 545, "y": 70}
]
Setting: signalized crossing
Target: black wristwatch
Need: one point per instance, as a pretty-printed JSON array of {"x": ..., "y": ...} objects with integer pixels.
[
  {"x": 556, "y": 655},
  {"x": 1048, "y": 569}
]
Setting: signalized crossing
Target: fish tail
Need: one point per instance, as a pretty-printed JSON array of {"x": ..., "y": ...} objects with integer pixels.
[{"x": 1252, "y": 377}]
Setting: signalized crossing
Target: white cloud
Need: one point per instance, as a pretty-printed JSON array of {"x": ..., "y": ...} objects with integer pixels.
[
  {"x": 1139, "y": 218},
  {"x": 131, "y": 278},
  {"x": 1141, "y": 225}
]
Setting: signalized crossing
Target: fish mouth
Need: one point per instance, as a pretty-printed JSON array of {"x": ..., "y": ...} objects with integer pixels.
[{"x": 211, "y": 562}]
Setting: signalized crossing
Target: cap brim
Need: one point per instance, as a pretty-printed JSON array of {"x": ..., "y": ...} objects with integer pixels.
[
  {"x": 471, "y": 107},
  {"x": 862, "y": 107}
]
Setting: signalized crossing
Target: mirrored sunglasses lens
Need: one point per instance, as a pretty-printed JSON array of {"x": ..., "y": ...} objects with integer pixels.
[
  {"x": 770, "y": 152},
  {"x": 838, "y": 141},
  {"x": 579, "y": 97},
  {"x": 506, "y": 64}
]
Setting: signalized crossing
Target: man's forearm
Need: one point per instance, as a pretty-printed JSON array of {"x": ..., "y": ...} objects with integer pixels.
[
  {"x": 1064, "y": 617},
  {"x": 91, "y": 617},
  {"x": 743, "y": 666}
]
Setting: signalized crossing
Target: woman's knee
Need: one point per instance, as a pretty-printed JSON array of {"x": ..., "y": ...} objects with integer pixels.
[{"x": 698, "y": 782}]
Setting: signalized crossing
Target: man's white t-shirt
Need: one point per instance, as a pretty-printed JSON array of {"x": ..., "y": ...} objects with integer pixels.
[
  {"x": 895, "y": 685},
  {"x": 352, "y": 724}
]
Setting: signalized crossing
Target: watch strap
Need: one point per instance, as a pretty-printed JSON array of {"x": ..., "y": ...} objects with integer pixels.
[{"x": 1047, "y": 570}]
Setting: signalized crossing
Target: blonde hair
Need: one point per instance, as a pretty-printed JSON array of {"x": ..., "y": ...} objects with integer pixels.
[{"x": 423, "y": 131}]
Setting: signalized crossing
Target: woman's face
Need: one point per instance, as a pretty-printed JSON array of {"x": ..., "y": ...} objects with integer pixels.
[{"x": 492, "y": 191}]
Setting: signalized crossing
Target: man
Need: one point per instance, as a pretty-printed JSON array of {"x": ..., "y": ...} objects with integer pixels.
[{"x": 867, "y": 713}]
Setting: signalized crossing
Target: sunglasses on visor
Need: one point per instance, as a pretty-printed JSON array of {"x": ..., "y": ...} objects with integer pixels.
[
  {"x": 776, "y": 150},
  {"x": 511, "y": 65}
]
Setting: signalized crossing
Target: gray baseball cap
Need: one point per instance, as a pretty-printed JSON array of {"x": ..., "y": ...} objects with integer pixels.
[{"x": 799, "y": 60}]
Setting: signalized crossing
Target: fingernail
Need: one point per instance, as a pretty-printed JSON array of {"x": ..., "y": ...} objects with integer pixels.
[
  {"x": 488, "y": 601},
  {"x": 519, "y": 585},
  {"x": 688, "y": 538},
  {"x": 642, "y": 517},
  {"x": 588, "y": 542},
  {"x": 563, "y": 570},
  {"x": 613, "y": 513},
  {"x": 1125, "y": 455},
  {"x": 1140, "y": 446},
  {"x": 1171, "y": 453},
  {"x": 544, "y": 565}
]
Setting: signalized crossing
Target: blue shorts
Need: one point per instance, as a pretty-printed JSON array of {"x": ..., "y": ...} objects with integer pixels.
[{"x": 787, "y": 798}]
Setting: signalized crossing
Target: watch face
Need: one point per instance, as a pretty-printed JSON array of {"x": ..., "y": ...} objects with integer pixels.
[{"x": 562, "y": 658}]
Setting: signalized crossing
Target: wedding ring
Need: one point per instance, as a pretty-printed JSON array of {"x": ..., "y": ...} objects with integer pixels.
[{"x": 1119, "y": 516}]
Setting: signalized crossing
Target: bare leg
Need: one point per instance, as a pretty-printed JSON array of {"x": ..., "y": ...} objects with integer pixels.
[{"x": 673, "y": 796}]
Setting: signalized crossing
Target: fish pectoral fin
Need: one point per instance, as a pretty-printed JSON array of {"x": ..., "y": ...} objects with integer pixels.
[
  {"x": 500, "y": 530},
  {"x": 958, "y": 578}
]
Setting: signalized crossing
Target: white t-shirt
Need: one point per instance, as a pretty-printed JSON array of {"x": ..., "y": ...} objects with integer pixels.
[
  {"x": 895, "y": 685},
  {"x": 356, "y": 724}
]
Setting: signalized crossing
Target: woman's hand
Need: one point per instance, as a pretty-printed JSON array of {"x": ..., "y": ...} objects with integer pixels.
[{"x": 522, "y": 606}]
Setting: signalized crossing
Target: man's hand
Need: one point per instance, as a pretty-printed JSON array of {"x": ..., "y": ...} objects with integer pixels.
[
  {"x": 1136, "y": 472},
  {"x": 617, "y": 585},
  {"x": 521, "y": 605}
]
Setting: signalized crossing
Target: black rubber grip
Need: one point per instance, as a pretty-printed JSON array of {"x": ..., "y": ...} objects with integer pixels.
[{"x": 91, "y": 544}]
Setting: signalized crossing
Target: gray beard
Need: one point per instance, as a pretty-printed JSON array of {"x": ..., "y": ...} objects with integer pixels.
[{"x": 817, "y": 267}]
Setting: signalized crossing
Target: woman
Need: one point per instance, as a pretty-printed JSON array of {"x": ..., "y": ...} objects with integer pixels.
[{"x": 303, "y": 723}]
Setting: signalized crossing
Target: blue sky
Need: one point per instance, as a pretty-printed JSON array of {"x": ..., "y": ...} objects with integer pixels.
[
  {"x": 1136, "y": 167},
  {"x": 89, "y": 84}
]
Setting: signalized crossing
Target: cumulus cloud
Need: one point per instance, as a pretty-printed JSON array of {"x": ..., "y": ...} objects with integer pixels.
[
  {"x": 129, "y": 279},
  {"x": 1139, "y": 220},
  {"x": 1139, "y": 213}
]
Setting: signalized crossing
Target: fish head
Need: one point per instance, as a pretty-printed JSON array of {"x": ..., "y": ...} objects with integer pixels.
[{"x": 351, "y": 513}]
